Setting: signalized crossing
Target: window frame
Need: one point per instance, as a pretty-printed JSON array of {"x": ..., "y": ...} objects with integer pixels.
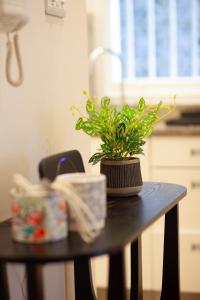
[{"x": 186, "y": 89}]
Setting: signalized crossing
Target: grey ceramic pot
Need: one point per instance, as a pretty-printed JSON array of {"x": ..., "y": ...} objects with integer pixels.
[{"x": 123, "y": 176}]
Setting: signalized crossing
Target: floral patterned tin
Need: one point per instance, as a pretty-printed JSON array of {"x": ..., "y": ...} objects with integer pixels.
[{"x": 38, "y": 219}]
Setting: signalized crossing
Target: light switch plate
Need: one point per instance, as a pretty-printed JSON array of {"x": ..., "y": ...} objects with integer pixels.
[{"x": 55, "y": 8}]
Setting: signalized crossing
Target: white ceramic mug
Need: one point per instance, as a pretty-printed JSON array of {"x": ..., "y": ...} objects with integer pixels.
[{"x": 91, "y": 188}]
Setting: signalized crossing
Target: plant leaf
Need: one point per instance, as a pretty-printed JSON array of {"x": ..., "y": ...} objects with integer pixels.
[
  {"x": 89, "y": 106},
  {"x": 79, "y": 123},
  {"x": 141, "y": 104},
  {"x": 105, "y": 101}
]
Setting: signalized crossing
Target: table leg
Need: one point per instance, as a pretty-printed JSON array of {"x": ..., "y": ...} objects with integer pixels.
[
  {"x": 136, "y": 270},
  {"x": 4, "y": 292},
  {"x": 117, "y": 283},
  {"x": 83, "y": 279},
  {"x": 34, "y": 281},
  {"x": 170, "y": 279}
]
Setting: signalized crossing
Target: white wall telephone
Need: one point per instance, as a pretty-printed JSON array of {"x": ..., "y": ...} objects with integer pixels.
[{"x": 13, "y": 16}]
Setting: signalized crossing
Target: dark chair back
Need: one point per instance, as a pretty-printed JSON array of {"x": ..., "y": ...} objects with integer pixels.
[{"x": 65, "y": 162}]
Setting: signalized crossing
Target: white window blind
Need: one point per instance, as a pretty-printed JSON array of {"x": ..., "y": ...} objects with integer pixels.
[{"x": 160, "y": 38}]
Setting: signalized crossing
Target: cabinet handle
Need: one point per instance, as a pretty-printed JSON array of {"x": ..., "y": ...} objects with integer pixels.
[
  {"x": 195, "y": 247},
  {"x": 195, "y": 185},
  {"x": 194, "y": 152}
]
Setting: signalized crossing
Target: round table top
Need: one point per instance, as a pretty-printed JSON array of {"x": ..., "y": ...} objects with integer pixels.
[{"x": 126, "y": 219}]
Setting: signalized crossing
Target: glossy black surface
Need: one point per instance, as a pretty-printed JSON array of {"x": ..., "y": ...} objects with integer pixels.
[
  {"x": 136, "y": 270},
  {"x": 171, "y": 268},
  {"x": 4, "y": 291},
  {"x": 117, "y": 279},
  {"x": 127, "y": 218}
]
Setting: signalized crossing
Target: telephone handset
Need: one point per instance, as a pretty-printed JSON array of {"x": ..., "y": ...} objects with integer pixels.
[{"x": 13, "y": 16}]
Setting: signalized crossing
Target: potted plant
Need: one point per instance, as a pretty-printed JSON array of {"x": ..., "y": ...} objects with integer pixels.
[{"x": 123, "y": 131}]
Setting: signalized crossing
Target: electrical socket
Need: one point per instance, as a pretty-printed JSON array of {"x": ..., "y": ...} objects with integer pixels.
[{"x": 55, "y": 8}]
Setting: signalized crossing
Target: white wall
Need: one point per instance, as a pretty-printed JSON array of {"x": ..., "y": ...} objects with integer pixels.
[{"x": 35, "y": 118}]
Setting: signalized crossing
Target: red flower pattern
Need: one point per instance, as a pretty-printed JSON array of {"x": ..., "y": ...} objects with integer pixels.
[
  {"x": 39, "y": 234},
  {"x": 15, "y": 207},
  {"x": 34, "y": 219}
]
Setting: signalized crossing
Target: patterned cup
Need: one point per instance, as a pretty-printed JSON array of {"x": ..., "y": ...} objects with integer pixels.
[
  {"x": 39, "y": 219},
  {"x": 91, "y": 188}
]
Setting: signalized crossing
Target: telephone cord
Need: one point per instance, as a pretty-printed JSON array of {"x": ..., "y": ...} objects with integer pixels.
[{"x": 20, "y": 78}]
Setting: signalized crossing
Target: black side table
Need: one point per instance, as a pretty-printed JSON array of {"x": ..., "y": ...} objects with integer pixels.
[{"x": 126, "y": 220}]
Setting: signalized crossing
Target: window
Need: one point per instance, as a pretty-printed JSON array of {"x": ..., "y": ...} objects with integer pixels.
[
  {"x": 159, "y": 41},
  {"x": 160, "y": 38}
]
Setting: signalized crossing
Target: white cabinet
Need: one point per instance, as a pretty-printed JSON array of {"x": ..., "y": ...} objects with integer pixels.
[
  {"x": 177, "y": 160},
  {"x": 175, "y": 151}
]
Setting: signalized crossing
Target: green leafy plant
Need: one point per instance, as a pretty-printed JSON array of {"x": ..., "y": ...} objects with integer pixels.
[{"x": 122, "y": 130}]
